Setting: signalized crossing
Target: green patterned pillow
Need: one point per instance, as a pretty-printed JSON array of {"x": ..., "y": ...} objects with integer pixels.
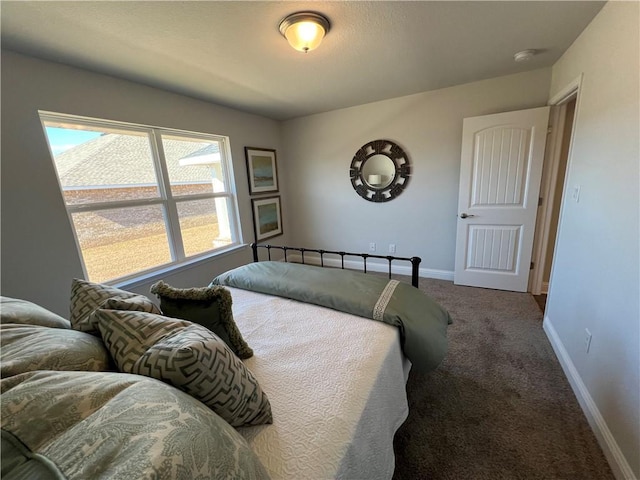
[
  {"x": 14, "y": 310},
  {"x": 87, "y": 297},
  {"x": 207, "y": 306},
  {"x": 189, "y": 357},
  {"x": 117, "y": 426},
  {"x": 25, "y": 348}
]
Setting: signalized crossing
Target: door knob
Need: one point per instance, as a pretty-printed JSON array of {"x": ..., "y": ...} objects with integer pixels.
[{"x": 464, "y": 215}]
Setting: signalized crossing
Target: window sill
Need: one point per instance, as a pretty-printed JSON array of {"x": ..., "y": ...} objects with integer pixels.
[{"x": 160, "y": 273}]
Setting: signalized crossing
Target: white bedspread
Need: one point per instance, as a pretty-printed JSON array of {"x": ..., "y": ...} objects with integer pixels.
[{"x": 336, "y": 383}]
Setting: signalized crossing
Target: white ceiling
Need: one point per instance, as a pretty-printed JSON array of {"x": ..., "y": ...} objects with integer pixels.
[{"x": 231, "y": 52}]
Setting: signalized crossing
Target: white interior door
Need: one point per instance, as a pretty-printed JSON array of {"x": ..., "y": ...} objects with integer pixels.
[{"x": 500, "y": 172}]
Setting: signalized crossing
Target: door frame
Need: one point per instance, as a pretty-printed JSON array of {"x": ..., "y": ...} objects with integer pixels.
[{"x": 550, "y": 178}]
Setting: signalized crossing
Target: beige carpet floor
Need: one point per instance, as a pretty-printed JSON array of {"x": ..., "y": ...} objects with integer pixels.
[{"x": 499, "y": 406}]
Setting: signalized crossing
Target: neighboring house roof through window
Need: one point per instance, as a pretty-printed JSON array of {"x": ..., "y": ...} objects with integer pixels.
[{"x": 129, "y": 153}]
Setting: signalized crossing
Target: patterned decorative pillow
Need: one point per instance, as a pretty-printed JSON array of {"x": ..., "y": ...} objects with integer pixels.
[
  {"x": 25, "y": 348},
  {"x": 207, "y": 306},
  {"x": 189, "y": 357},
  {"x": 87, "y": 297},
  {"x": 13, "y": 310},
  {"x": 120, "y": 426}
]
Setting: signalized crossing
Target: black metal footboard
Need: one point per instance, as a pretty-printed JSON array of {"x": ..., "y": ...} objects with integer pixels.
[{"x": 415, "y": 261}]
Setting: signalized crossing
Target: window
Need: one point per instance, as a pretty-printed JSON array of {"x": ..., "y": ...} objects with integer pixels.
[{"x": 141, "y": 197}]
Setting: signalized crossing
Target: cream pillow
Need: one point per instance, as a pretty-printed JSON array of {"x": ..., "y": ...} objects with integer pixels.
[{"x": 187, "y": 356}]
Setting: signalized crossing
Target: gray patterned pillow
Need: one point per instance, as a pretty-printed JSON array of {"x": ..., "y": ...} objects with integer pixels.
[
  {"x": 14, "y": 310},
  {"x": 120, "y": 426},
  {"x": 87, "y": 297},
  {"x": 189, "y": 357},
  {"x": 206, "y": 306},
  {"x": 25, "y": 348}
]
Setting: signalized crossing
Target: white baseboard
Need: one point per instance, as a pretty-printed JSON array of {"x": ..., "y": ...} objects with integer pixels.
[
  {"x": 374, "y": 266},
  {"x": 619, "y": 465},
  {"x": 545, "y": 287},
  {"x": 438, "y": 274}
]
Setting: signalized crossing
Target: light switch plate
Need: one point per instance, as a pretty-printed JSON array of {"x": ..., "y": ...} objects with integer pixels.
[{"x": 576, "y": 193}]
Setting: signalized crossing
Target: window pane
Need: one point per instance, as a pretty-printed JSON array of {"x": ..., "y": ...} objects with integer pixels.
[
  {"x": 122, "y": 241},
  {"x": 194, "y": 165},
  {"x": 204, "y": 225},
  {"x": 100, "y": 165}
]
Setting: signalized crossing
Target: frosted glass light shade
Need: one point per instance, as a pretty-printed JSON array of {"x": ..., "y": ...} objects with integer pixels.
[
  {"x": 304, "y": 30},
  {"x": 524, "y": 55}
]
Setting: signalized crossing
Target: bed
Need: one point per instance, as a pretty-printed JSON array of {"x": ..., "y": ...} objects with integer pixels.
[
  {"x": 335, "y": 380},
  {"x": 309, "y": 382}
]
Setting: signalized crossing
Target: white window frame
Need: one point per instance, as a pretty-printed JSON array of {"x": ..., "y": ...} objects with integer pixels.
[{"x": 166, "y": 199}]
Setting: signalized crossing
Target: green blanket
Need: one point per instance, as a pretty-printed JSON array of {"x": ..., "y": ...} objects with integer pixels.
[{"x": 421, "y": 321}]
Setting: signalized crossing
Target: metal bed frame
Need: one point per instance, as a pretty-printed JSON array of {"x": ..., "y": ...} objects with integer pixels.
[{"x": 415, "y": 261}]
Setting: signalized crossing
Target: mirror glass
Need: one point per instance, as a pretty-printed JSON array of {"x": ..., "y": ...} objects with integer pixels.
[{"x": 378, "y": 171}]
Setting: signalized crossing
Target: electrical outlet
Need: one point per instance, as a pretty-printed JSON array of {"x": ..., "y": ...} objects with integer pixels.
[
  {"x": 587, "y": 340},
  {"x": 392, "y": 248},
  {"x": 372, "y": 247}
]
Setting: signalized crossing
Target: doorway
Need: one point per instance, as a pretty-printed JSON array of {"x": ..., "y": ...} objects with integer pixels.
[{"x": 553, "y": 189}]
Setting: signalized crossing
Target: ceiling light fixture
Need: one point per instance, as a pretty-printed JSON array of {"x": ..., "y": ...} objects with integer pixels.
[
  {"x": 304, "y": 30},
  {"x": 524, "y": 55}
]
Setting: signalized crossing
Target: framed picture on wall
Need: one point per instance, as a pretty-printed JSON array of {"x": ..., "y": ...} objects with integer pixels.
[
  {"x": 261, "y": 170},
  {"x": 267, "y": 217}
]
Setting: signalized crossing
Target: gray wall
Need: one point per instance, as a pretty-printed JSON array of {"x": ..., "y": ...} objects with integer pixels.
[
  {"x": 428, "y": 126},
  {"x": 595, "y": 276},
  {"x": 39, "y": 256}
]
